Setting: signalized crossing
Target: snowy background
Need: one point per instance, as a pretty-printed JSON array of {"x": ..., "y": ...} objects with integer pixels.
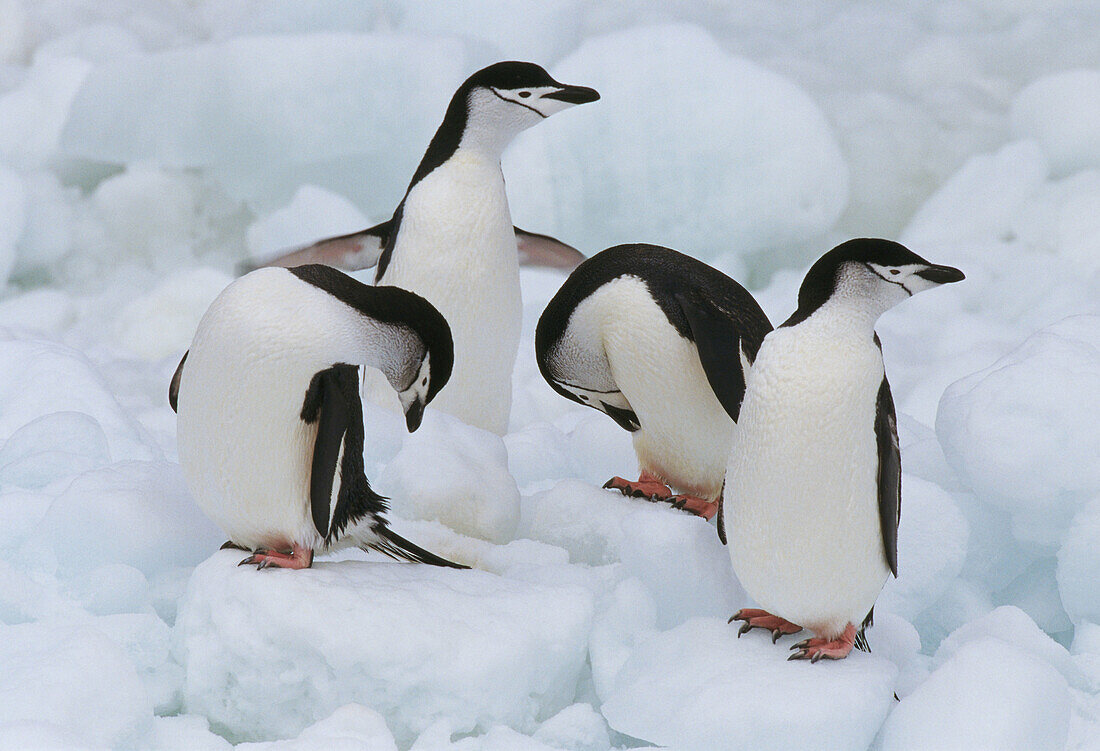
[{"x": 147, "y": 147}]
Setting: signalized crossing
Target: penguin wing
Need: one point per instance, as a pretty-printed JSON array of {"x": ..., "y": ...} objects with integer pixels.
[
  {"x": 546, "y": 251},
  {"x": 339, "y": 493},
  {"x": 174, "y": 386},
  {"x": 718, "y": 340},
  {"x": 358, "y": 250},
  {"x": 889, "y": 472}
]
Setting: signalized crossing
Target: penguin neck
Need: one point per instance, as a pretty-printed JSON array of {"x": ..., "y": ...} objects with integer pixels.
[
  {"x": 846, "y": 315},
  {"x": 462, "y": 131},
  {"x": 390, "y": 348}
]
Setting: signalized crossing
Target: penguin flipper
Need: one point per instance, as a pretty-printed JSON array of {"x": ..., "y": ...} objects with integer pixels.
[
  {"x": 889, "y": 472},
  {"x": 718, "y": 341},
  {"x": 351, "y": 252},
  {"x": 174, "y": 386},
  {"x": 339, "y": 493},
  {"x": 546, "y": 251}
]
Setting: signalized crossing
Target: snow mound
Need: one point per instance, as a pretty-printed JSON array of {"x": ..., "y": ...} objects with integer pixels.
[
  {"x": 1079, "y": 566},
  {"x": 988, "y": 695},
  {"x": 269, "y": 113},
  {"x": 350, "y": 727},
  {"x": 312, "y": 214},
  {"x": 932, "y": 541},
  {"x": 143, "y": 515},
  {"x": 64, "y": 381},
  {"x": 162, "y": 321},
  {"x": 56, "y": 445},
  {"x": 71, "y": 679},
  {"x": 1012, "y": 626},
  {"x": 451, "y": 472},
  {"x": 700, "y": 687},
  {"x": 676, "y": 556},
  {"x": 13, "y": 211},
  {"x": 414, "y": 643},
  {"x": 981, "y": 200},
  {"x": 1023, "y": 432},
  {"x": 688, "y": 147},
  {"x": 1060, "y": 112}
]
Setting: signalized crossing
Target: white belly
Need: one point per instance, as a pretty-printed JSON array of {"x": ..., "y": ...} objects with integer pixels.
[
  {"x": 244, "y": 450},
  {"x": 686, "y": 434},
  {"x": 457, "y": 249},
  {"x": 801, "y": 501}
]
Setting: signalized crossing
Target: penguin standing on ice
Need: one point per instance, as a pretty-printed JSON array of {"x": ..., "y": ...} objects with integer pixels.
[
  {"x": 270, "y": 424},
  {"x": 451, "y": 239},
  {"x": 660, "y": 342},
  {"x": 813, "y": 489}
]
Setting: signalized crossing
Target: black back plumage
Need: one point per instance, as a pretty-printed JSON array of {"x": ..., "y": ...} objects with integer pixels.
[
  {"x": 704, "y": 306},
  {"x": 391, "y": 305}
]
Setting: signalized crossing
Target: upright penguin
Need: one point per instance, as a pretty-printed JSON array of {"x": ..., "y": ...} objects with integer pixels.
[
  {"x": 660, "y": 342},
  {"x": 270, "y": 424},
  {"x": 813, "y": 489},
  {"x": 451, "y": 239}
]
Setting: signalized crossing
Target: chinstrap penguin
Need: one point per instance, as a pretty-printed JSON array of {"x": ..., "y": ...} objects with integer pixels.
[
  {"x": 270, "y": 424},
  {"x": 451, "y": 239},
  {"x": 660, "y": 342},
  {"x": 813, "y": 488}
]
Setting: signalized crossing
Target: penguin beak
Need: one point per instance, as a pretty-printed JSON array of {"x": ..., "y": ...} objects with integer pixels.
[
  {"x": 941, "y": 274},
  {"x": 574, "y": 94},
  {"x": 413, "y": 415}
]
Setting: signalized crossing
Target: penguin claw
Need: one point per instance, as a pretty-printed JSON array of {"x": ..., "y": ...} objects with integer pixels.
[
  {"x": 756, "y": 618},
  {"x": 263, "y": 558},
  {"x": 819, "y": 648}
]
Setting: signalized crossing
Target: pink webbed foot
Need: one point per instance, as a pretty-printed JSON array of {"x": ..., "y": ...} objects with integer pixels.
[
  {"x": 298, "y": 557},
  {"x": 820, "y": 648},
  {"x": 755, "y": 618},
  {"x": 646, "y": 486},
  {"x": 695, "y": 505}
]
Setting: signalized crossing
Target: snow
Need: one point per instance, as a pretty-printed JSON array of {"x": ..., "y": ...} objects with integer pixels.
[
  {"x": 757, "y": 168},
  {"x": 451, "y": 472},
  {"x": 47, "y": 670},
  {"x": 698, "y": 686},
  {"x": 1059, "y": 111},
  {"x": 147, "y": 148},
  {"x": 1024, "y": 431},
  {"x": 313, "y": 213},
  {"x": 415, "y": 643},
  {"x": 987, "y": 695}
]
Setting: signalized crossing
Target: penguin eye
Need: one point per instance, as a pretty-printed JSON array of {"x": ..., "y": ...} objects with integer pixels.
[
  {"x": 424, "y": 381},
  {"x": 895, "y": 272},
  {"x": 524, "y": 94},
  {"x": 584, "y": 396}
]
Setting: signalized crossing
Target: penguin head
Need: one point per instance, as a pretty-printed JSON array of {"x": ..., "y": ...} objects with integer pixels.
[
  {"x": 870, "y": 274},
  {"x": 508, "y": 97},
  {"x": 427, "y": 352}
]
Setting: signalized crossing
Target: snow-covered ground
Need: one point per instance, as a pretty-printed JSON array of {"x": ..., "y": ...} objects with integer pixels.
[{"x": 146, "y": 146}]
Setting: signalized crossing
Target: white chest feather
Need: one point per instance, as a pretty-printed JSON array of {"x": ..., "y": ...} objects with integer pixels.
[
  {"x": 685, "y": 433},
  {"x": 456, "y": 248},
  {"x": 243, "y": 447},
  {"x": 801, "y": 502}
]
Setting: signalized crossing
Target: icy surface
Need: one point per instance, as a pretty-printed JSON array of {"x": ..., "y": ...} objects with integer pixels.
[
  {"x": 987, "y": 695},
  {"x": 700, "y": 687},
  {"x": 415, "y": 643},
  {"x": 147, "y": 148},
  {"x": 756, "y": 168}
]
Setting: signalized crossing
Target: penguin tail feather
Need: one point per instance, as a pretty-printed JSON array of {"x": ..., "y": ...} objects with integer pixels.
[
  {"x": 861, "y": 642},
  {"x": 397, "y": 547}
]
